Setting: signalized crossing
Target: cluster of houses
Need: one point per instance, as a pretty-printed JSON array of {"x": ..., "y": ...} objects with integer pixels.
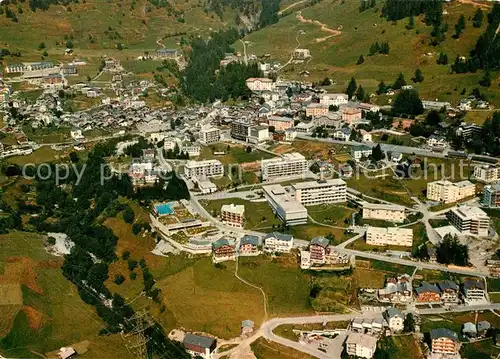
[
  {"x": 318, "y": 253},
  {"x": 400, "y": 290}
]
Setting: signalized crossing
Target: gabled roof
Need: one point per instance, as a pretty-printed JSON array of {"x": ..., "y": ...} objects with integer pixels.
[
  {"x": 443, "y": 333},
  {"x": 469, "y": 328},
  {"x": 473, "y": 284},
  {"x": 320, "y": 241},
  {"x": 279, "y": 236},
  {"x": 427, "y": 287},
  {"x": 393, "y": 312},
  {"x": 198, "y": 340},
  {"x": 447, "y": 285},
  {"x": 220, "y": 242},
  {"x": 248, "y": 239},
  {"x": 483, "y": 325}
]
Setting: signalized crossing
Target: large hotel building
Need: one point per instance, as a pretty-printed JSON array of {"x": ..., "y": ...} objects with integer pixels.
[
  {"x": 203, "y": 169},
  {"x": 487, "y": 174},
  {"x": 384, "y": 212},
  {"x": 319, "y": 192},
  {"x": 292, "y": 164},
  {"x": 449, "y": 192},
  {"x": 391, "y": 236},
  {"x": 288, "y": 209},
  {"x": 469, "y": 219}
]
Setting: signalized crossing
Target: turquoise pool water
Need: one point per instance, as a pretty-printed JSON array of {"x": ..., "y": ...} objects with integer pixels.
[{"x": 164, "y": 209}]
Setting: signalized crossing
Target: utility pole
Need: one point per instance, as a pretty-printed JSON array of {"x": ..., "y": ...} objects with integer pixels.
[{"x": 135, "y": 340}]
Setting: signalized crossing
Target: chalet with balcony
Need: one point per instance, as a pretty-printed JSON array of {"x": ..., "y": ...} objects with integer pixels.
[
  {"x": 223, "y": 250},
  {"x": 249, "y": 246},
  {"x": 427, "y": 293},
  {"x": 449, "y": 291},
  {"x": 319, "y": 250},
  {"x": 444, "y": 341}
]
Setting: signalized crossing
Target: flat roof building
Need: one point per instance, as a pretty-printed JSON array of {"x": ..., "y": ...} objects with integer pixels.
[
  {"x": 203, "y": 169},
  {"x": 487, "y": 174},
  {"x": 384, "y": 212},
  {"x": 449, "y": 192},
  {"x": 469, "y": 220},
  {"x": 361, "y": 345},
  {"x": 319, "y": 192},
  {"x": 291, "y": 164},
  {"x": 288, "y": 209},
  {"x": 209, "y": 135},
  {"x": 392, "y": 236},
  {"x": 491, "y": 195},
  {"x": 233, "y": 215}
]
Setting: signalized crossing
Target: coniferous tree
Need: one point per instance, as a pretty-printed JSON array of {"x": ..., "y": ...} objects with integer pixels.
[
  {"x": 411, "y": 23},
  {"x": 382, "y": 88},
  {"x": 418, "y": 76},
  {"x": 459, "y": 27},
  {"x": 400, "y": 82},
  {"x": 478, "y": 18},
  {"x": 351, "y": 88},
  {"x": 361, "y": 59},
  {"x": 360, "y": 93}
]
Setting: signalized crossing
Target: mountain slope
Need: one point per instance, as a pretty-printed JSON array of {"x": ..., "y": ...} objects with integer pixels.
[{"x": 336, "y": 56}]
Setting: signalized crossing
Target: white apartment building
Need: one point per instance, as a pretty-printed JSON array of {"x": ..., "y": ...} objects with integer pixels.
[
  {"x": 260, "y": 84},
  {"x": 209, "y": 135},
  {"x": 278, "y": 242},
  {"x": 292, "y": 164},
  {"x": 449, "y": 192},
  {"x": 333, "y": 99},
  {"x": 191, "y": 149},
  {"x": 487, "y": 173},
  {"x": 203, "y": 169},
  {"x": 474, "y": 291},
  {"x": 233, "y": 215},
  {"x": 393, "y": 236},
  {"x": 258, "y": 134},
  {"x": 384, "y": 212},
  {"x": 469, "y": 220},
  {"x": 319, "y": 192},
  {"x": 288, "y": 209},
  {"x": 361, "y": 345}
]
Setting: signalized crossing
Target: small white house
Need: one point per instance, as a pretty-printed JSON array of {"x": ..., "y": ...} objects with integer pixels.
[{"x": 395, "y": 319}]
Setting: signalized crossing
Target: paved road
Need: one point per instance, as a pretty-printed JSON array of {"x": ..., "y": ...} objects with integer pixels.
[
  {"x": 424, "y": 265},
  {"x": 268, "y": 326}
]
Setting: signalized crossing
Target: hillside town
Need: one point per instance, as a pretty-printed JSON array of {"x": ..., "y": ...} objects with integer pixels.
[{"x": 200, "y": 196}]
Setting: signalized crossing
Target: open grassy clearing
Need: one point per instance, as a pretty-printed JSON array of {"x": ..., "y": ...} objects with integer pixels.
[
  {"x": 210, "y": 299},
  {"x": 258, "y": 215},
  {"x": 264, "y": 349},
  {"x": 53, "y": 315},
  {"x": 402, "y": 347},
  {"x": 287, "y": 288},
  {"x": 333, "y": 215},
  {"x": 42, "y": 155},
  {"x": 235, "y": 155},
  {"x": 336, "y": 56},
  {"x": 309, "y": 231}
]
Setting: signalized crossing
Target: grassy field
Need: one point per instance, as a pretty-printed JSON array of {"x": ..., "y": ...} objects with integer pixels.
[
  {"x": 336, "y": 57},
  {"x": 309, "y": 231},
  {"x": 332, "y": 215},
  {"x": 258, "y": 215},
  {"x": 52, "y": 313},
  {"x": 264, "y": 349},
  {"x": 235, "y": 155},
  {"x": 210, "y": 299},
  {"x": 286, "y": 287},
  {"x": 42, "y": 155},
  {"x": 402, "y": 347}
]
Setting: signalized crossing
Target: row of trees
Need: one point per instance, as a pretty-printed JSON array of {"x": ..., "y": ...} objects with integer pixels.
[
  {"x": 382, "y": 48},
  {"x": 81, "y": 219}
]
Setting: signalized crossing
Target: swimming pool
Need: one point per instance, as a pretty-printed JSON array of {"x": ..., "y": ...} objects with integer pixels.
[{"x": 164, "y": 209}]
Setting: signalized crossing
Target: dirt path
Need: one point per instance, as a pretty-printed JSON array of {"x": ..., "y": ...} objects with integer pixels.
[
  {"x": 482, "y": 5},
  {"x": 290, "y": 6},
  {"x": 323, "y": 27}
]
